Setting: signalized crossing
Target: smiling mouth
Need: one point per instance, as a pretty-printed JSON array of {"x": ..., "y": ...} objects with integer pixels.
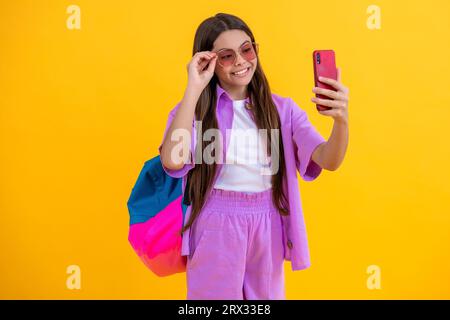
[{"x": 241, "y": 73}]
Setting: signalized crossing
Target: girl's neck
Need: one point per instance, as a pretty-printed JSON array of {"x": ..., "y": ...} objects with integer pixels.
[{"x": 236, "y": 92}]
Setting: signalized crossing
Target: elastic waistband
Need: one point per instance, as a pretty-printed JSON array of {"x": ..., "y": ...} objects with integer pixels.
[{"x": 239, "y": 202}]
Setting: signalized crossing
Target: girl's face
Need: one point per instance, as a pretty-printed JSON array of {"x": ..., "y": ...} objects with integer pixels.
[{"x": 233, "y": 39}]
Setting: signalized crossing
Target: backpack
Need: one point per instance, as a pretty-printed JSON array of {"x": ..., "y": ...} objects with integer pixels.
[{"x": 156, "y": 211}]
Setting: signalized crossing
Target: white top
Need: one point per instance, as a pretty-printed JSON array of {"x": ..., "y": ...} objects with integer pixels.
[{"x": 247, "y": 163}]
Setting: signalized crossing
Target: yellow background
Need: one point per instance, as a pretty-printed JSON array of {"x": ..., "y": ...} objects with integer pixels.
[{"x": 81, "y": 110}]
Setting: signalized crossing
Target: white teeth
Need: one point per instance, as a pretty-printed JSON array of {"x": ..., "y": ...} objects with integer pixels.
[{"x": 241, "y": 72}]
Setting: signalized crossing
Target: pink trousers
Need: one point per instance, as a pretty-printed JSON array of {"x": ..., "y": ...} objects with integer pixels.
[{"x": 236, "y": 249}]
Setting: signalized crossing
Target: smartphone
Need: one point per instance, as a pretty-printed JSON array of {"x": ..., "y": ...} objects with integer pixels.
[{"x": 324, "y": 66}]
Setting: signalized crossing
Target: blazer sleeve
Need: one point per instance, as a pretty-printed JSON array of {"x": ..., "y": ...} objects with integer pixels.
[
  {"x": 306, "y": 139},
  {"x": 190, "y": 164}
]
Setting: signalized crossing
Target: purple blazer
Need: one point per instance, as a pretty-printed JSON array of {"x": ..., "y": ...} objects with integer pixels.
[{"x": 300, "y": 139}]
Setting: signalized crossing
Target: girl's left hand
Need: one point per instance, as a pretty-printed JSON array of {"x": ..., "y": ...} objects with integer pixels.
[{"x": 339, "y": 98}]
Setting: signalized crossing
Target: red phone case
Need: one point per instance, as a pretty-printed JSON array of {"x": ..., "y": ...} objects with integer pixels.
[{"x": 324, "y": 66}]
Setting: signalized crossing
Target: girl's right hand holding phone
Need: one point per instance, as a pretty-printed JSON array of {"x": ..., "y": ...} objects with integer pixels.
[{"x": 198, "y": 74}]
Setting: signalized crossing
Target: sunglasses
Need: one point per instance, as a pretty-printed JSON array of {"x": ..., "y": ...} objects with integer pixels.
[{"x": 227, "y": 57}]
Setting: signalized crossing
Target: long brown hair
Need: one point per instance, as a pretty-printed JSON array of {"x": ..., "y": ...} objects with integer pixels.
[{"x": 265, "y": 114}]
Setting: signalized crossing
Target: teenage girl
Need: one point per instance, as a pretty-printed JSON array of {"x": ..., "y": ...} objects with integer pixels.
[{"x": 237, "y": 223}]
